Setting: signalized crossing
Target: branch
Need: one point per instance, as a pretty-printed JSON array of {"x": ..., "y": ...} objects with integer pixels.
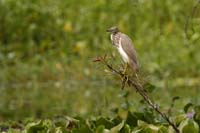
[{"x": 139, "y": 88}]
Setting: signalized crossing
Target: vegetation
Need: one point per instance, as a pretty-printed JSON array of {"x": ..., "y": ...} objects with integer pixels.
[{"x": 47, "y": 73}]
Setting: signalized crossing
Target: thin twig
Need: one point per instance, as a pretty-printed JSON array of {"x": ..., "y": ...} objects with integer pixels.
[{"x": 139, "y": 88}]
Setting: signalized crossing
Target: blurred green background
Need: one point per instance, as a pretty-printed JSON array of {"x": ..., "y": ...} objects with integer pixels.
[{"x": 47, "y": 48}]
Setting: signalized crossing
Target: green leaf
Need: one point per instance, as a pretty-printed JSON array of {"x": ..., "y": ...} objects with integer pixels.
[
  {"x": 48, "y": 123},
  {"x": 58, "y": 130},
  {"x": 197, "y": 109},
  {"x": 149, "y": 129},
  {"x": 116, "y": 120},
  {"x": 139, "y": 115},
  {"x": 13, "y": 131},
  {"x": 117, "y": 128},
  {"x": 125, "y": 94},
  {"x": 189, "y": 126},
  {"x": 83, "y": 129},
  {"x": 163, "y": 129},
  {"x": 175, "y": 98},
  {"x": 126, "y": 129},
  {"x": 34, "y": 127},
  {"x": 103, "y": 121},
  {"x": 141, "y": 123},
  {"x": 179, "y": 119},
  {"x": 197, "y": 114},
  {"x": 41, "y": 125},
  {"x": 60, "y": 121},
  {"x": 149, "y": 116},
  {"x": 137, "y": 131},
  {"x": 149, "y": 87},
  {"x": 171, "y": 130},
  {"x": 131, "y": 119},
  {"x": 100, "y": 129},
  {"x": 187, "y": 106}
]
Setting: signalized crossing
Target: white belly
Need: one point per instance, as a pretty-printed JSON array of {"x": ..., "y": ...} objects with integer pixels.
[
  {"x": 121, "y": 51},
  {"x": 123, "y": 54}
]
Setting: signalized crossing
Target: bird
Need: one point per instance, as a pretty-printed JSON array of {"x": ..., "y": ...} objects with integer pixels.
[{"x": 125, "y": 47}]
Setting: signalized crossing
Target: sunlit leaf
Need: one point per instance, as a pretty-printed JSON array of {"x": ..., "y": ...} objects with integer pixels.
[
  {"x": 180, "y": 118},
  {"x": 100, "y": 129},
  {"x": 58, "y": 130},
  {"x": 149, "y": 129},
  {"x": 189, "y": 126},
  {"x": 117, "y": 128},
  {"x": 141, "y": 123},
  {"x": 126, "y": 129},
  {"x": 36, "y": 127},
  {"x": 163, "y": 129}
]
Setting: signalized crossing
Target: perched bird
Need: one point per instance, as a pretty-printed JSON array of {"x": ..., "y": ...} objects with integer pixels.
[{"x": 125, "y": 47}]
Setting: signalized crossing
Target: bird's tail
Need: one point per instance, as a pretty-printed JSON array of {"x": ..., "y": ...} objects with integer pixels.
[
  {"x": 137, "y": 77},
  {"x": 135, "y": 69}
]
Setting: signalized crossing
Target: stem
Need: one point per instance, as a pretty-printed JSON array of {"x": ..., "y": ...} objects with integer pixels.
[
  {"x": 141, "y": 91},
  {"x": 149, "y": 101}
]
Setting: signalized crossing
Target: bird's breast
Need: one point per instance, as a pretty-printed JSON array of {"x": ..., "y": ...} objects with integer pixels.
[{"x": 123, "y": 54}]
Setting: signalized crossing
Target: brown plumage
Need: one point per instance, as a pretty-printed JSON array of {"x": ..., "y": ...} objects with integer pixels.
[{"x": 125, "y": 47}]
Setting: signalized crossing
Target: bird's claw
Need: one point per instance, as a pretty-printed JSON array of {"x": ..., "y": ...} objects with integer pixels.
[{"x": 124, "y": 81}]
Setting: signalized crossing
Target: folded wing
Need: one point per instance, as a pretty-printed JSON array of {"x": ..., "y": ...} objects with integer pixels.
[{"x": 127, "y": 46}]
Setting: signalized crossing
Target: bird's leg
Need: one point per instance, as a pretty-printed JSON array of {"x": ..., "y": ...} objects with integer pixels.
[
  {"x": 125, "y": 77},
  {"x": 126, "y": 65},
  {"x": 124, "y": 72}
]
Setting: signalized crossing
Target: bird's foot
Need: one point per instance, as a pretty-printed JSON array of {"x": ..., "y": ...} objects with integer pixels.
[
  {"x": 125, "y": 69},
  {"x": 125, "y": 79}
]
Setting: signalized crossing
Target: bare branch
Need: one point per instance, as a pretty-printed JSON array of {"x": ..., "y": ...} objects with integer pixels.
[{"x": 139, "y": 88}]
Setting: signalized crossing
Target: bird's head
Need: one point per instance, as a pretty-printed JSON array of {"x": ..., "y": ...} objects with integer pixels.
[{"x": 113, "y": 29}]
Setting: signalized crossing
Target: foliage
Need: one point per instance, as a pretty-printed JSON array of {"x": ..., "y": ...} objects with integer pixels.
[
  {"x": 46, "y": 68},
  {"x": 133, "y": 123}
]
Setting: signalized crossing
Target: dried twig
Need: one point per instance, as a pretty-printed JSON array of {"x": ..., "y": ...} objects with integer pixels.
[{"x": 139, "y": 88}]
